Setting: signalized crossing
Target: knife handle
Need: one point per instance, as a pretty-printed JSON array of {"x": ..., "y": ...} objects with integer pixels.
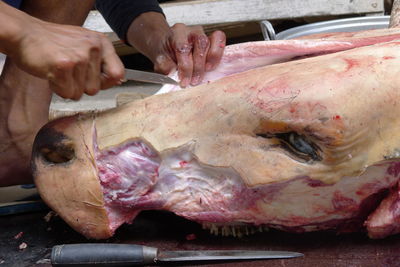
[{"x": 99, "y": 254}]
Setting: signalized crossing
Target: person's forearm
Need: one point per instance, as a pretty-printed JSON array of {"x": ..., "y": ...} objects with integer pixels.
[
  {"x": 11, "y": 21},
  {"x": 119, "y": 14},
  {"x": 71, "y": 12},
  {"x": 138, "y": 32},
  {"x": 14, "y": 23}
]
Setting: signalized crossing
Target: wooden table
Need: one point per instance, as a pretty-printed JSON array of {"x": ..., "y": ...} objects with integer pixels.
[{"x": 169, "y": 232}]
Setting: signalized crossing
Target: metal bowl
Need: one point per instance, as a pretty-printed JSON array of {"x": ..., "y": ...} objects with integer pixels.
[{"x": 338, "y": 25}]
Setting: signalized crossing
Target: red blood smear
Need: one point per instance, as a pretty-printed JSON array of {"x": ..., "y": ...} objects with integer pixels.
[
  {"x": 386, "y": 58},
  {"x": 337, "y": 117},
  {"x": 351, "y": 63},
  {"x": 394, "y": 169},
  {"x": 191, "y": 237},
  {"x": 341, "y": 202},
  {"x": 183, "y": 163},
  {"x": 19, "y": 235}
]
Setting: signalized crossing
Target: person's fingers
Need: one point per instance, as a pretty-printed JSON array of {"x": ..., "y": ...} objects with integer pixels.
[
  {"x": 200, "y": 49},
  {"x": 216, "y": 50},
  {"x": 112, "y": 67},
  {"x": 79, "y": 78},
  {"x": 93, "y": 79},
  {"x": 183, "y": 53},
  {"x": 60, "y": 77}
]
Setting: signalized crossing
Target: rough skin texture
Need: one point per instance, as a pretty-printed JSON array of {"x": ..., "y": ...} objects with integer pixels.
[{"x": 305, "y": 145}]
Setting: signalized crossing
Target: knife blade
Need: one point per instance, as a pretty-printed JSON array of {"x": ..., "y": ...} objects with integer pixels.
[
  {"x": 206, "y": 255},
  {"x": 88, "y": 254},
  {"x": 151, "y": 77}
]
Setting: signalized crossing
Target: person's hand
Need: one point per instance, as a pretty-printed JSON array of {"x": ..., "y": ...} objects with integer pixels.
[
  {"x": 190, "y": 51},
  {"x": 187, "y": 49},
  {"x": 73, "y": 59}
]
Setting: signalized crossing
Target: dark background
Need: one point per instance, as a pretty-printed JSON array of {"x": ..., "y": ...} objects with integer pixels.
[{"x": 169, "y": 232}]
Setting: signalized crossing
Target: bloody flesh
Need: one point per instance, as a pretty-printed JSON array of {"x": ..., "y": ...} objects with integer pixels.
[{"x": 305, "y": 145}]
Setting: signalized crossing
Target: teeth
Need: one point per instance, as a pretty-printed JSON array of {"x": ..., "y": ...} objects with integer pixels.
[{"x": 234, "y": 230}]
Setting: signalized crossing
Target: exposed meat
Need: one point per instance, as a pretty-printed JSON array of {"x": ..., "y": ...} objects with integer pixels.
[
  {"x": 245, "y": 56},
  {"x": 308, "y": 144}
]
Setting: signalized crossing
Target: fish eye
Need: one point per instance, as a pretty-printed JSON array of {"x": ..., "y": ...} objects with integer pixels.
[{"x": 297, "y": 144}]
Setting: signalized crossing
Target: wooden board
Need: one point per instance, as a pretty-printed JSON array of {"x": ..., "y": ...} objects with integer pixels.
[
  {"x": 169, "y": 232},
  {"x": 206, "y": 12},
  {"x": 105, "y": 99}
]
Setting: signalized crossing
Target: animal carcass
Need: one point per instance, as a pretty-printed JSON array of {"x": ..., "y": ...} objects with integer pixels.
[{"x": 293, "y": 135}]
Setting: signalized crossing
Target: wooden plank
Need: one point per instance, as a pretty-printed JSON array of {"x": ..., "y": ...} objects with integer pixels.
[
  {"x": 105, "y": 99},
  {"x": 206, "y": 12},
  {"x": 395, "y": 14},
  {"x": 232, "y": 30},
  {"x": 218, "y": 11}
]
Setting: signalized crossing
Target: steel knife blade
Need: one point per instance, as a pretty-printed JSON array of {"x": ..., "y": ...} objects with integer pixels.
[
  {"x": 207, "y": 255},
  {"x": 104, "y": 254},
  {"x": 151, "y": 77}
]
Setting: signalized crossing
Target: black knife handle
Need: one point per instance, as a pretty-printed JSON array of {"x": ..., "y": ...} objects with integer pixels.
[{"x": 99, "y": 254}]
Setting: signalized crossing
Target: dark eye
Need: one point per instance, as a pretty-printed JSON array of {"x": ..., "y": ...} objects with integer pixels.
[{"x": 297, "y": 144}]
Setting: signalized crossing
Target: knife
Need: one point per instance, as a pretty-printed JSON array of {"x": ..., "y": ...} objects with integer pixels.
[
  {"x": 151, "y": 77},
  {"x": 103, "y": 254}
]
